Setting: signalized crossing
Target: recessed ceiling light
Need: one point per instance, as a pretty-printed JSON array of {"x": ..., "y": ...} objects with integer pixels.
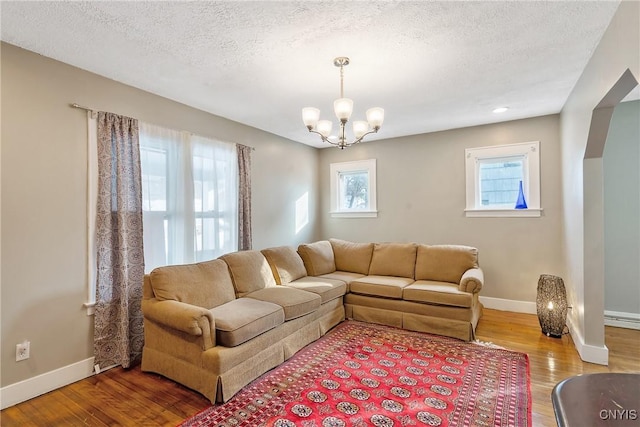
[{"x": 500, "y": 109}]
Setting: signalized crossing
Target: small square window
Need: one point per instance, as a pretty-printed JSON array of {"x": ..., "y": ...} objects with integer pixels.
[
  {"x": 353, "y": 189},
  {"x": 503, "y": 180},
  {"x": 500, "y": 181}
]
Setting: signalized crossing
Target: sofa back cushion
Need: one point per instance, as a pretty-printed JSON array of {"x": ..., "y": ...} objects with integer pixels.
[
  {"x": 249, "y": 270},
  {"x": 286, "y": 264},
  {"x": 205, "y": 284},
  {"x": 317, "y": 258},
  {"x": 393, "y": 259},
  {"x": 444, "y": 263},
  {"x": 350, "y": 256}
]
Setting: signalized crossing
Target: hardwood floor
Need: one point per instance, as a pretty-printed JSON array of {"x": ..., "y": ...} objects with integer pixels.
[
  {"x": 133, "y": 398},
  {"x": 551, "y": 359}
]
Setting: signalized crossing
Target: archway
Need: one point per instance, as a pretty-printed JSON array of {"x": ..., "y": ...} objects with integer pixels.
[{"x": 593, "y": 196}]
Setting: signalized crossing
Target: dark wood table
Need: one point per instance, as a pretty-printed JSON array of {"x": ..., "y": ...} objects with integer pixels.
[{"x": 592, "y": 400}]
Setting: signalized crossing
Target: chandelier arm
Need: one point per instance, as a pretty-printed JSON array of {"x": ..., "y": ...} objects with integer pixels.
[
  {"x": 374, "y": 130},
  {"x": 342, "y": 143},
  {"x": 324, "y": 138}
]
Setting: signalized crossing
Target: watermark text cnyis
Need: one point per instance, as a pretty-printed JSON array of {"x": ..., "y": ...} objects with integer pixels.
[{"x": 618, "y": 414}]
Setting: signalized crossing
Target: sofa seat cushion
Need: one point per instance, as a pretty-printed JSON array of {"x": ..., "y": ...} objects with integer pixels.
[
  {"x": 345, "y": 276},
  {"x": 380, "y": 286},
  {"x": 328, "y": 289},
  {"x": 442, "y": 293},
  {"x": 242, "y": 319},
  {"x": 294, "y": 302}
]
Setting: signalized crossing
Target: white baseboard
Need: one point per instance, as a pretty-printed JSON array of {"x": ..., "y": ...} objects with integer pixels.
[
  {"x": 509, "y": 305},
  {"x": 588, "y": 353},
  {"x": 622, "y": 320},
  {"x": 44, "y": 383}
]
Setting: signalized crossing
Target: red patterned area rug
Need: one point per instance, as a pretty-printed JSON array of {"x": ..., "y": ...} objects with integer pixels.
[{"x": 361, "y": 374}]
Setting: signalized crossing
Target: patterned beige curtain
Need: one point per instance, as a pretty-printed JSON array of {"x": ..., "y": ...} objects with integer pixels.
[
  {"x": 244, "y": 197},
  {"x": 118, "y": 333}
]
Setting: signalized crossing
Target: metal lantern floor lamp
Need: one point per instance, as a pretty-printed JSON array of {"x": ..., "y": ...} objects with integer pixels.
[{"x": 551, "y": 305}]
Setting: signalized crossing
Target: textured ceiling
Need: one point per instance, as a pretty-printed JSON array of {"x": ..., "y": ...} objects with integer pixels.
[{"x": 430, "y": 65}]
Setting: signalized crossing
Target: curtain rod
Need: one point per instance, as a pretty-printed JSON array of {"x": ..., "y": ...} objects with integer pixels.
[
  {"x": 76, "y": 105},
  {"x": 93, "y": 112}
]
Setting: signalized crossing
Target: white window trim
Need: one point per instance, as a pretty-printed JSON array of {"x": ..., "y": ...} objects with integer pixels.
[
  {"x": 499, "y": 213},
  {"x": 531, "y": 153},
  {"x": 335, "y": 169}
]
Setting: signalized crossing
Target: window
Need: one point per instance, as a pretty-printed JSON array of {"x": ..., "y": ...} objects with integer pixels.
[
  {"x": 496, "y": 176},
  {"x": 190, "y": 196},
  {"x": 353, "y": 189},
  {"x": 500, "y": 181}
]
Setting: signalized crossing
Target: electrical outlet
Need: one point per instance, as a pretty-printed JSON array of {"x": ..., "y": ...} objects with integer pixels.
[{"x": 22, "y": 351}]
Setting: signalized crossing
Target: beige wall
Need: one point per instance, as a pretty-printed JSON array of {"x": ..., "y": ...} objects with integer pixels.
[
  {"x": 618, "y": 50},
  {"x": 421, "y": 198},
  {"x": 43, "y": 176}
]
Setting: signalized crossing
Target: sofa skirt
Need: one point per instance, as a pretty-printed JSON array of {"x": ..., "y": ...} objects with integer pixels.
[{"x": 455, "y": 322}]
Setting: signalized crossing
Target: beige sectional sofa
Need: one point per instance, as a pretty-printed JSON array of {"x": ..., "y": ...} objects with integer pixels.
[
  {"x": 418, "y": 287},
  {"x": 217, "y": 325}
]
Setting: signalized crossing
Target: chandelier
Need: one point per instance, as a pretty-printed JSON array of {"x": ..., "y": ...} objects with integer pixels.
[{"x": 343, "y": 108}]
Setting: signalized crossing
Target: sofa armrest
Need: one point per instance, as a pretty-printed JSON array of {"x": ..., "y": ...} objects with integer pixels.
[
  {"x": 472, "y": 280},
  {"x": 184, "y": 317}
]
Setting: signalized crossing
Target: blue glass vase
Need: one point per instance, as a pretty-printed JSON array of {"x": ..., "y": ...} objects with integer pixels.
[{"x": 521, "y": 203}]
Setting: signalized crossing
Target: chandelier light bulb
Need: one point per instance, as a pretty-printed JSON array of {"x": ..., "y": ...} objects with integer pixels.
[
  {"x": 343, "y": 107},
  {"x": 375, "y": 117},
  {"x": 360, "y": 127},
  {"x": 324, "y": 127},
  {"x": 310, "y": 117}
]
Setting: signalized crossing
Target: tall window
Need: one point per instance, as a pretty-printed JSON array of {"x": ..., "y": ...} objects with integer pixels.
[
  {"x": 353, "y": 189},
  {"x": 495, "y": 176},
  {"x": 190, "y": 196}
]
